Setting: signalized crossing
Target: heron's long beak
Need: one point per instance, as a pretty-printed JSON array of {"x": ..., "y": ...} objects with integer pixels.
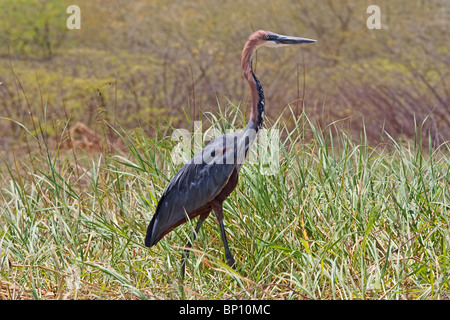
[{"x": 292, "y": 40}]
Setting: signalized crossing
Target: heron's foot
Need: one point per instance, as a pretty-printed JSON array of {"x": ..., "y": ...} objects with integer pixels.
[{"x": 231, "y": 262}]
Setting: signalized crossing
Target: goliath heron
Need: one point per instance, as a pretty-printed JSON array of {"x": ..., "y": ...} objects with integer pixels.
[{"x": 210, "y": 176}]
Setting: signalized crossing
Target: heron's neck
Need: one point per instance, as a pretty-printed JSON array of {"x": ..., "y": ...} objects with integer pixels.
[{"x": 257, "y": 112}]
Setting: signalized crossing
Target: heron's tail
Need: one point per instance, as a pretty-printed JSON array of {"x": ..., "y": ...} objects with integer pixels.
[{"x": 150, "y": 239}]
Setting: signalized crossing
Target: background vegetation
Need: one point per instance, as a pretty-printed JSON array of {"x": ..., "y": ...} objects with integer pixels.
[
  {"x": 151, "y": 63},
  {"x": 359, "y": 206}
]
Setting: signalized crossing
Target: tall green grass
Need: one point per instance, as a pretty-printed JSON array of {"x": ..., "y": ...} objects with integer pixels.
[{"x": 339, "y": 219}]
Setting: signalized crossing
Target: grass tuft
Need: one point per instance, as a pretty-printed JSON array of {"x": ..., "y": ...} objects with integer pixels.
[{"x": 338, "y": 219}]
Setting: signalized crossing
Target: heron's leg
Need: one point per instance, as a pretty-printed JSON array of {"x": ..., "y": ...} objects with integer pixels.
[
  {"x": 185, "y": 255},
  {"x": 189, "y": 244},
  {"x": 218, "y": 210}
]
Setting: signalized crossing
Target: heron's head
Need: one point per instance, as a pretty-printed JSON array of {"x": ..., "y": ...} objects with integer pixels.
[{"x": 262, "y": 38}]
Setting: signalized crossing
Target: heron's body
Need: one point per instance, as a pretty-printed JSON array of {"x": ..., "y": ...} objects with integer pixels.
[{"x": 210, "y": 176}]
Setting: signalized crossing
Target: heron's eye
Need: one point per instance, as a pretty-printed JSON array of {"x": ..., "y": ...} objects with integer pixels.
[{"x": 267, "y": 36}]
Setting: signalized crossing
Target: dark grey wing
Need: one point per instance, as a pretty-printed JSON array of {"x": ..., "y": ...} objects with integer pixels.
[{"x": 196, "y": 184}]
